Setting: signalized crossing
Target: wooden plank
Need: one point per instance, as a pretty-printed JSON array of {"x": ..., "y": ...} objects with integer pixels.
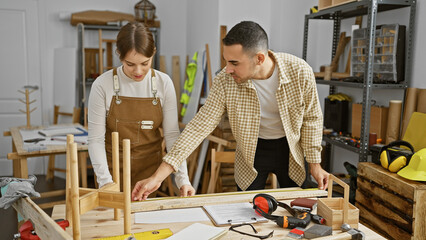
[
  {"x": 163, "y": 64},
  {"x": 384, "y": 212},
  {"x": 419, "y": 224},
  {"x": 111, "y": 199},
  {"x": 389, "y": 199},
  {"x": 45, "y": 227},
  {"x": 209, "y": 66},
  {"x": 223, "y": 32},
  {"x": 381, "y": 225},
  {"x": 390, "y": 181},
  {"x": 176, "y": 77},
  {"x": 88, "y": 202},
  {"x": 51, "y": 194},
  {"x": 208, "y": 199},
  {"x": 50, "y": 204}
]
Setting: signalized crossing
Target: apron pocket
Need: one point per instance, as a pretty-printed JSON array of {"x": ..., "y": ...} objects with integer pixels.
[{"x": 128, "y": 130}]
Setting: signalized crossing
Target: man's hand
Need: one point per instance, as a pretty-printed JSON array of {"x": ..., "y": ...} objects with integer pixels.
[
  {"x": 145, "y": 187},
  {"x": 320, "y": 175},
  {"x": 186, "y": 191}
]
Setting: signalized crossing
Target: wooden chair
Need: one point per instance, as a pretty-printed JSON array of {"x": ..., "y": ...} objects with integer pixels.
[
  {"x": 51, "y": 169},
  {"x": 109, "y": 56}
]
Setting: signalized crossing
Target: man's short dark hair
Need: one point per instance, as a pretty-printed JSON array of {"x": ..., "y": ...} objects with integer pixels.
[{"x": 250, "y": 35}]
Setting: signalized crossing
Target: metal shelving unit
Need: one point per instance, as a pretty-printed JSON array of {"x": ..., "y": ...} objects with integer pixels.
[
  {"x": 353, "y": 9},
  {"x": 80, "y": 98}
]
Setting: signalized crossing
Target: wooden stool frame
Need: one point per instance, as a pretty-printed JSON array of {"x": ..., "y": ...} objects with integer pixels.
[{"x": 81, "y": 200}]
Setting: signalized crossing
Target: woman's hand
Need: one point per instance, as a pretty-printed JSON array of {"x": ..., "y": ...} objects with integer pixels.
[{"x": 186, "y": 191}]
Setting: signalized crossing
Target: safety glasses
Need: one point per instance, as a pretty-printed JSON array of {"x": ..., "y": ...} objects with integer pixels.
[{"x": 232, "y": 228}]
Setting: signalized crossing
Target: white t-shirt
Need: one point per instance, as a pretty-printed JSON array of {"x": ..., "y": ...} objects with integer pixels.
[
  {"x": 100, "y": 97},
  {"x": 271, "y": 126}
]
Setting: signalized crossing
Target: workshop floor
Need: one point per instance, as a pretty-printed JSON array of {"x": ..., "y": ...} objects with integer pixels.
[{"x": 8, "y": 220}]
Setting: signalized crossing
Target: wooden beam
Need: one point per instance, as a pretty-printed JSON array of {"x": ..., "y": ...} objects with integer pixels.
[
  {"x": 45, "y": 227},
  {"x": 208, "y": 199},
  {"x": 223, "y": 32},
  {"x": 176, "y": 77},
  {"x": 209, "y": 66},
  {"x": 111, "y": 199},
  {"x": 89, "y": 202},
  {"x": 163, "y": 64}
]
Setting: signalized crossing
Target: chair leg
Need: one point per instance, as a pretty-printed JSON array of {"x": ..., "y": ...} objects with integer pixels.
[
  {"x": 50, "y": 167},
  {"x": 83, "y": 168}
]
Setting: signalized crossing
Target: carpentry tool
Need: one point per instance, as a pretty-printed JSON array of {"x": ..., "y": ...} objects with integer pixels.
[
  {"x": 26, "y": 231},
  {"x": 318, "y": 231},
  {"x": 148, "y": 235},
  {"x": 265, "y": 205},
  {"x": 348, "y": 233}
]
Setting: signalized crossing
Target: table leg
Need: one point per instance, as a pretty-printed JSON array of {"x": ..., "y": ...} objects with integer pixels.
[
  {"x": 20, "y": 167},
  {"x": 83, "y": 168}
]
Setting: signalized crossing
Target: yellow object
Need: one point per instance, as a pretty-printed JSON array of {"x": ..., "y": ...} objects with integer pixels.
[
  {"x": 416, "y": 169},
  {"x": 148, "y": 235},
  {"x": 416, "y": 131},
  {"x": 395, "y": 159}
]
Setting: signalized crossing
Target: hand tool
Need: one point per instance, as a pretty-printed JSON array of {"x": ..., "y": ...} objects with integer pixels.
[
  {"x": 348, "y": 233},
  {"x": 148, "y": 235},
  {"x": 26, "y": 231}
]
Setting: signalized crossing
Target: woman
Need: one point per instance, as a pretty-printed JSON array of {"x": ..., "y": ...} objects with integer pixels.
[{"x": 134, "y": 100}]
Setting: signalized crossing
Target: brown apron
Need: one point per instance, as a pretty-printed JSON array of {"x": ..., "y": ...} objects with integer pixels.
[{"x": 137, "y": 119}]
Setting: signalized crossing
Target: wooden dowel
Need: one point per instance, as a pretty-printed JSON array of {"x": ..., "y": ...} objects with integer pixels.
[
  {"x": 74, "y": 192},
  {"x": 126, "y": 185},
  {"x": 68, "y": 207},
  {"x": 116, "y": 167}
]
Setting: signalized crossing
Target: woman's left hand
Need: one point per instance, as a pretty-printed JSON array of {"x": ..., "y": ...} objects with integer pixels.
[{"x": 186, "y": 191}]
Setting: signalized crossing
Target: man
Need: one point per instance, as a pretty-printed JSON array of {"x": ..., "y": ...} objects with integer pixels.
[{"x": 273, "y": 109}]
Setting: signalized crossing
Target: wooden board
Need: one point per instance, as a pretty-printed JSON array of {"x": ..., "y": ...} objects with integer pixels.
[
  {"x": 45, "y": 227},
  {"x": 208, "y": 199},
  {"x": 176, "y": 77},
  {"x": 393, "y": 182},
  {"x": 381, "y": 225}
]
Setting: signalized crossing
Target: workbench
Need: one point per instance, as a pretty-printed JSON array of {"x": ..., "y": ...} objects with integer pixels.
[
  {"x": 20, "y": 155},
  {"x": 99, "y": 222}
]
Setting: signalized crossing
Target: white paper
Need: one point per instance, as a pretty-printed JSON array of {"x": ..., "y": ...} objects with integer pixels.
[
  {"x": 233, "y": 213},
  {"x": 199, "y": 231},
  {"x": 172, "y": 216}
]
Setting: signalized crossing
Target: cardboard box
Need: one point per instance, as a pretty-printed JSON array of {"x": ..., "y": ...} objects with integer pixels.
[{"x": 378, "y": 120}]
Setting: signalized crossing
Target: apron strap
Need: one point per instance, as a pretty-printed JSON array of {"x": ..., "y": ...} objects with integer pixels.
[
  {"x": 116, "y": 85},
  {"x": 154, "y": 86}
]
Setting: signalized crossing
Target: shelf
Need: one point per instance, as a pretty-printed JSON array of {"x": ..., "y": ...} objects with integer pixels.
[
  {"x": 358, "y": 8},
  {"x": 360, "y": 85},
  {"x": 340, "y": 144}
]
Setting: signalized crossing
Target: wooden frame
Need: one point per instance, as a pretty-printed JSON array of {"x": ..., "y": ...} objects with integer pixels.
[{"x": 81, "y": 200}]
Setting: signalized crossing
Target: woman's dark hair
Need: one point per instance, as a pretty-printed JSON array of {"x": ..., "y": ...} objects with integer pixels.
[
  {"x": 250, "y": 35},
  {"x": 135, "y": 35}
]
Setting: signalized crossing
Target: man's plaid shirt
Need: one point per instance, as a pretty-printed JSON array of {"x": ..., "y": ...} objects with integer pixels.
[{"x": 299, "y": 109}]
